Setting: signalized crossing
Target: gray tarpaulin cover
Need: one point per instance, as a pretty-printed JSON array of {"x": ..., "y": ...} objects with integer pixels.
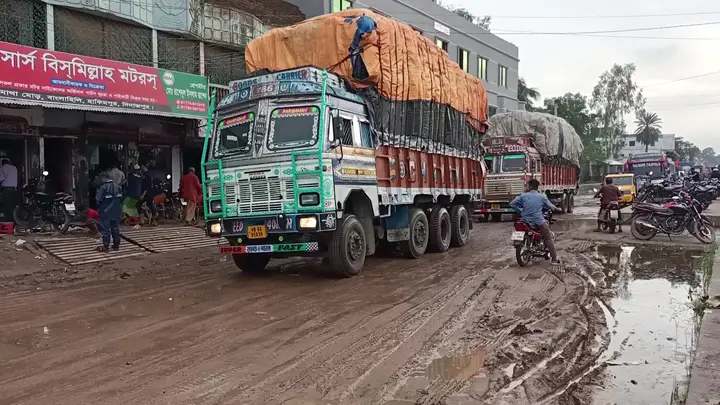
[{"x": 554, "y": 137}]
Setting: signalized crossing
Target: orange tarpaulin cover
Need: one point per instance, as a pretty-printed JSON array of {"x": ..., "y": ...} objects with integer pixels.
[{"x": 402, "y": 64}]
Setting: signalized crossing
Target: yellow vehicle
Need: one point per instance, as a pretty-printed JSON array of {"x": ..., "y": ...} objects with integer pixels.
[{"x": 626, "y": 183}]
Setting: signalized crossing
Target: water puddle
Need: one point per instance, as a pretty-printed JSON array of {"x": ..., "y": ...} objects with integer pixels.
[{"x": 654, "y": 326}]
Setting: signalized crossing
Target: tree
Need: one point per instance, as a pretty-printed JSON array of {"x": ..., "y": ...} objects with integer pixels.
[
  {"x": 686, "y": 151},
  {"x": 708, "y": 157},
  {"x": 615, "y": 96},
  {"x": 482, "y": 22},
  {"x": 648, "y": 128},
  {"x": 574, "y": 109},
  {"x": 527, "y": 94}
]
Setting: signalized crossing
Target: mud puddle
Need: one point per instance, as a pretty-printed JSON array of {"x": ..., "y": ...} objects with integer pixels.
[{"x": 654, "y": 323}]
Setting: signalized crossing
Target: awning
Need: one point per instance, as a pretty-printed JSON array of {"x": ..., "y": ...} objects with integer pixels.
[{"x": 33, "y": 76}]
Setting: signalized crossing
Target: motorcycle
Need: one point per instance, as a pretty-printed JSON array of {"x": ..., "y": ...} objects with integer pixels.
[
  {"x": 528, "y": 241},
  {"x": 40, "y": 209},
  {"x": 610, "y": 217},
  {"x": 672, "y": 218}
]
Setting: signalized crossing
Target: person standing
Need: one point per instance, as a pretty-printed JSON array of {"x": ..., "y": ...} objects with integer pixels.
[
  {"x": 8, "y": 188},
  {"x": 190, "y": 191},
  {"x": 109, "y": 200}
]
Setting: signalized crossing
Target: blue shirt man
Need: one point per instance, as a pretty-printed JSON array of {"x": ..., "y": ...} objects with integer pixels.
[{"x": 531, "y": 206}]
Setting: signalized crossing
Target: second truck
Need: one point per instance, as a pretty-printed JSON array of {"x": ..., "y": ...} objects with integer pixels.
[{"x": 525, "y": 145}]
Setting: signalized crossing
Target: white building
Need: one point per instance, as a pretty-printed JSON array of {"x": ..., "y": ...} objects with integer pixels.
[{"x": 631, "y": 146}]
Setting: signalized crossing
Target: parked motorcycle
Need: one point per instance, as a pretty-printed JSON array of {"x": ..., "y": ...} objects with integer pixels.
[
  {"x": 528, "y": 241},
  {"x": 38, "y": 209},
  {"x": 672, "y": 218}
]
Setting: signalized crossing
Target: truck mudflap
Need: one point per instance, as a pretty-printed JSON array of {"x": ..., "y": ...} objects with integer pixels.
[{"x": 303, "y": 247}]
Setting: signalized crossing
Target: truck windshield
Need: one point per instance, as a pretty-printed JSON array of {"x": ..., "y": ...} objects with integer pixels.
[
  {"x": 644, "y": 168},
  {"x": 234, "y": 134},
  {"x": 293, "y": 127},
  {"x": 513, "y": 163}
]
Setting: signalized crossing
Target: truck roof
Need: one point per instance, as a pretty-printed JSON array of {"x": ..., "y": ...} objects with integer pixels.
[{"x": 302, "y": 81}]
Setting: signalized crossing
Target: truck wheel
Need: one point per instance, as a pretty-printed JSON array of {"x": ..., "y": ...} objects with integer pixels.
[
  {"x": 496, "y": 217},
  {"x": 252, "y": 264},
  {"x": 416, "y": 245},
  {"x": 348, "y": 247},
  {"x": 460, "y": 224},
  {"x": 439, "y": 229}
]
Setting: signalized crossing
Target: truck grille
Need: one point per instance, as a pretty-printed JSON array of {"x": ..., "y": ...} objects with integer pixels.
[
  {"x": 262, "y": 194},
  {"x": 503, "y": 187}
]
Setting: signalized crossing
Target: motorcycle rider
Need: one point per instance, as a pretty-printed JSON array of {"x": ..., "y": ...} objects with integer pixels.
[
  {"x": 531, "y": 205},
  {"x": 608, "y": 194},
  {"x": 715, "y": 173}
]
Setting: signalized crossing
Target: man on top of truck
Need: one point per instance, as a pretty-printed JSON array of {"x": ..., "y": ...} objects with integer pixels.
[{"x": 531, "y": 205}]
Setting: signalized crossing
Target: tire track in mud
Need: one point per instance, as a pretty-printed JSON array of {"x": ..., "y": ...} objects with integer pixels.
[{"x": 442, "y": 328}]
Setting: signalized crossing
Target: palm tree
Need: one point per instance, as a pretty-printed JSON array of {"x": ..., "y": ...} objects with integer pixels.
[
  {"x": 527, "y": 94},
  {"x": 648, "y": 128}
]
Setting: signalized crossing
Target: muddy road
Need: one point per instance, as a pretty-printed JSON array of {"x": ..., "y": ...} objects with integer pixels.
[{"x": 467, "y": 326}]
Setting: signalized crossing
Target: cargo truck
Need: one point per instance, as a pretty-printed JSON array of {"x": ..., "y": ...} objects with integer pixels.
[
  {"x": 307, "y": 162},
  {"x": 521, "y": 146}
]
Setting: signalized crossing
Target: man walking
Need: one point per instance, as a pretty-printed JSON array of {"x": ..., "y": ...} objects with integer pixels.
[
  {"x": 109, "y": 200},
  {"x": 531, "y": 206},
  {"x": 8, "y": 188},
  {"x": 190, "y": 191}
]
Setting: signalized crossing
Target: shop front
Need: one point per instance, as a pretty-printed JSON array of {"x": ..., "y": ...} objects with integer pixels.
[{"x": 76, "y": 116}]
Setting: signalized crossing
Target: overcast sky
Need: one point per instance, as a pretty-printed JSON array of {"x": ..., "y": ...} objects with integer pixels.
[{"x": 556, "y": 65}]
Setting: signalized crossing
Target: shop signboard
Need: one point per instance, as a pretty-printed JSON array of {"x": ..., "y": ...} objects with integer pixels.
[{"x": 35, "y": 76}]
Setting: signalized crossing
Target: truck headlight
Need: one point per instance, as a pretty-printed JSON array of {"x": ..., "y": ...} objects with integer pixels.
[
  {"x": 215, "y": 228},
  {"x": 215, "y": 206},
  {"x": 308, "y": 222},
  {"x": 309, "y": 199}
]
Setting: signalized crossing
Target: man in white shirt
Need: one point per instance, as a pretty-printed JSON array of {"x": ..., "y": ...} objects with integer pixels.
[{"x": 8, "y": 188}]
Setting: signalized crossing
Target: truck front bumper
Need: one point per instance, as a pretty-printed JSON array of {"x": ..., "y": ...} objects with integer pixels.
[{"x": 281, "y": 234}]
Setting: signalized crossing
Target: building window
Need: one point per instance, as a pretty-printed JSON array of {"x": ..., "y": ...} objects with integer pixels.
[
  {"x": 463, "y": 59},
  {"x": 482, "y": 68},
  {"x": 441, "y": 44},
  {"x": 631, "y": 143},
  {"x": 502, "y": 76},
  {"x": 340, "y": 5}
]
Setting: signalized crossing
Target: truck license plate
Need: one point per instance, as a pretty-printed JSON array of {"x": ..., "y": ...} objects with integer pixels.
[
  {"x": 495, "y": 206},
  {"x": 70, "y": 207},
  {"x": 517, "y": 236},
  {"x": 257, "y": 231}
]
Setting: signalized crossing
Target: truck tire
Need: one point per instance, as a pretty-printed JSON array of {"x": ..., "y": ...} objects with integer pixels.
[
  {"x": 496, "y": 217},
  {"x": 417, "y": 243},
  {"x": 252, "y": 264},
  {"x": 439, "y": 229},
  {"x": 571, "y": 203},
  {"x": 348, "y": 247},
  {"x": 460, "y": 223}
]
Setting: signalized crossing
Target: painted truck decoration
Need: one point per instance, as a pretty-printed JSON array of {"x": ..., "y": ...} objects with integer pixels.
[
  {"x": 512, "y": 161},
  {"x": 294, "y": 167}
]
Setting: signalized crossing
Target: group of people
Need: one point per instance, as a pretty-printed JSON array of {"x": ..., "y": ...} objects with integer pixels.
[{"x": 143, "y": 185}]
